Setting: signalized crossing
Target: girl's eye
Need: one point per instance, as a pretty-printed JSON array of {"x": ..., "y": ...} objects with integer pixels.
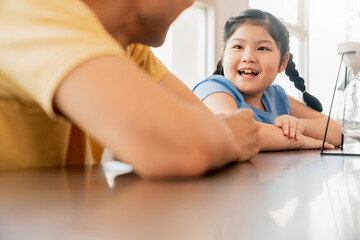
[
  {"x": 264, "y": 49},
  {"x": 238, "y": 47}
]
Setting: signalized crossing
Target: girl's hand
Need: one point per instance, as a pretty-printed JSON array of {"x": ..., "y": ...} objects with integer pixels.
[
  {"x": 291, "y": 126},
  {"x": 312, "y": 143}
]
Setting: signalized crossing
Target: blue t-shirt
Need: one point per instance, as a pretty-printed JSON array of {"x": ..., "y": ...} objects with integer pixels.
[{"x": 275, "y": 99}]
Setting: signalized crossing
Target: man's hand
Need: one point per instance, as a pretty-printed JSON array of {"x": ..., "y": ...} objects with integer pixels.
[{"x": 245, "y": 131}]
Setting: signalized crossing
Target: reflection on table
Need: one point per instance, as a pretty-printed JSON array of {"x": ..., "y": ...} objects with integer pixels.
[{"x": 278, "y": 195}]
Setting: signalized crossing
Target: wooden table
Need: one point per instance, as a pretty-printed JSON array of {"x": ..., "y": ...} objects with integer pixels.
[{"x": 279, "y": 195}]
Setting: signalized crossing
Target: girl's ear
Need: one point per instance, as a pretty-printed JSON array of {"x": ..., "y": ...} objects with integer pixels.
[{"x": 284, "y": 62}]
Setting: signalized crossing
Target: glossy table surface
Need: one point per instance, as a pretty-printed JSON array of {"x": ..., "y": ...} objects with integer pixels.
[{"x": 278, "y": 195}]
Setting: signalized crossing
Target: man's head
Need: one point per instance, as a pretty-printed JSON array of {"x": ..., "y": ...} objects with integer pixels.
[
  {"x": 141, "y": 21},
  {"x": 156, "y": 16}
]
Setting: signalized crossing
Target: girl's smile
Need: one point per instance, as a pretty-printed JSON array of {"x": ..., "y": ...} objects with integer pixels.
[{"x": 248, "y": 73}]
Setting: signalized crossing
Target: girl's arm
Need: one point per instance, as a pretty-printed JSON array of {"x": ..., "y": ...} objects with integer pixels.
[
  {"x": 314, "y": 122},
  {"x": 271, "y": 137}
]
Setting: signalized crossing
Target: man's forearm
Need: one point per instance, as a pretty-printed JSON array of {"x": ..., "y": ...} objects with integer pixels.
[{"x": 158, "y": 134}]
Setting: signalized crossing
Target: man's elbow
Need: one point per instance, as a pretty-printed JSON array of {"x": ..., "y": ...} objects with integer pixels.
[{"x": 186, "y": 164}]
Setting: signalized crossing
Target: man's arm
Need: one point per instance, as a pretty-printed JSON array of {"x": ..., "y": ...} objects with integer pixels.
[
  {"x": 241, "y": 123},
  {"x": 172, "y": 84},
  {"x": 142, "y": 123}
]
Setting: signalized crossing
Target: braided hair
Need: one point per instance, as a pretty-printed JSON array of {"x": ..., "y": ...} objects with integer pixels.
[{"x": 280, "y": 34}]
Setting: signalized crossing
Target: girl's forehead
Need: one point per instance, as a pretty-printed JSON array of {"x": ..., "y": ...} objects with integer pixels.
[{"x": 252, "y": 32}]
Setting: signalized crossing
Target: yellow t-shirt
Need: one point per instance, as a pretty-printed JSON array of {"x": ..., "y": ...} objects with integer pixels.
[{"x": 41, "y": 41}]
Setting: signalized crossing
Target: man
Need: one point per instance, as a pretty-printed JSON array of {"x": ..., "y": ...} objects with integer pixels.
[{"x": 64, "y": 65}]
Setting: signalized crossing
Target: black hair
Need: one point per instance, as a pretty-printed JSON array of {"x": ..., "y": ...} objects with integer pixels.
[{"x": 280, "y": 34}]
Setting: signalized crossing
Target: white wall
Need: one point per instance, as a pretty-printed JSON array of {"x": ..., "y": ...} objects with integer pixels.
[
  {"x": 223, "y": 10},
  {"x": 188, "y": 38}
]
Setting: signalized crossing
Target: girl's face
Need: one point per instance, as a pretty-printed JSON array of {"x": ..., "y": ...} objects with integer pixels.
[{"x": 251, "y": 59}]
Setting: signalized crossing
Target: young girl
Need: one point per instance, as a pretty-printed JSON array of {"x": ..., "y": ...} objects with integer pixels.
[{"x": 256, "y": 49}]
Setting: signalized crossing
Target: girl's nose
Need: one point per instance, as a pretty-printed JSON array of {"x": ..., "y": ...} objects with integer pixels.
[{"x": 248, "y": 56}]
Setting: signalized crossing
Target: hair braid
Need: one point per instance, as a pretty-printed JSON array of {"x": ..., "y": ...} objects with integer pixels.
[
  {"x": 299, "y": 83},
  {"x": 219, "y": 68}
]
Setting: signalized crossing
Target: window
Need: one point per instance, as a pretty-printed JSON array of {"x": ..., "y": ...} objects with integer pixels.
[
  {"x": 294, "y": 14},
  {"x": 188, "y": 51},
  {"x": 288, "y": 9},
  {"x": 327, "y": 28}
]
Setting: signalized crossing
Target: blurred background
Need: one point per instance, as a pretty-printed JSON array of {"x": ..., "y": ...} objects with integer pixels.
[{"x": 193, "y": 44}]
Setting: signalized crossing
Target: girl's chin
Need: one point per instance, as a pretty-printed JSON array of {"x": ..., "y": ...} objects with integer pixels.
[{"x": 245, "y": 89}]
